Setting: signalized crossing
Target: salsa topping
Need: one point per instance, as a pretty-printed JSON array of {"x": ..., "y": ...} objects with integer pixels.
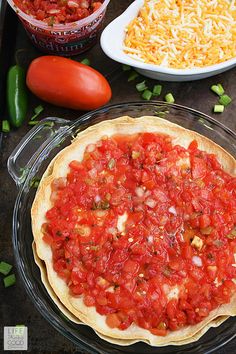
[
  {"x": 144, "y": 230},
  {"x": 59, "y": 11}
]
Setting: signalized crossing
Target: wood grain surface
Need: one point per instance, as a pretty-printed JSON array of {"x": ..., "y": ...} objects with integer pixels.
[{"x": 15, "y": 306}]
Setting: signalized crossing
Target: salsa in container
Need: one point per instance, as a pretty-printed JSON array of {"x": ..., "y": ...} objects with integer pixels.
[{"x": 63, "y": 27}]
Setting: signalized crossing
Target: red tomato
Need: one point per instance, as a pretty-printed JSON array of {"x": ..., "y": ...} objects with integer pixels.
[{"x": 67, "y": 83}]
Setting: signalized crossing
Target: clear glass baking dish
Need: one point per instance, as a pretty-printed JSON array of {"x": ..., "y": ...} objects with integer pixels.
[{"x": 30, "y": 159}]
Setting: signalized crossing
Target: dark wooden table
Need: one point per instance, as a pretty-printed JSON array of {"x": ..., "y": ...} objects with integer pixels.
[{"x": 15, "y": 306}]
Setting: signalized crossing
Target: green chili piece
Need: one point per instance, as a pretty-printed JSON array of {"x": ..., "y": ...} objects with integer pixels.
[{"x": 17, "y": 100}]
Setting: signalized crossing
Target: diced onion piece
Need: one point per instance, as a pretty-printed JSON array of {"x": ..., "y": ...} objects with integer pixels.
[
  {"x": 97, "y": 198},
  {"x": 84, "y": 4},
  {"x": 92, "y": 173},
  {"x": 83, "y": 230},
  {"x": 53, "y": 11},
  {"x": 197, "y": 261},
  {"x": 172, "y": 210},
  {"x": 72, "y": 4},
  {"x": 135, "y": 155},
  {"x": 102, "y": 282},
  {"x": 112, "y": 230},
  {"x": 150, "y": 239},
  {"x": 139, "y": 191},
  {"x": 100, "y": 213},
  {"x": 111, "y": 289},
  {"x": 90, "y": 147},
  {"x": 58, "y": 183},
  {"x": 150, "y": 202},
  {"x": 197, "y": 242}
]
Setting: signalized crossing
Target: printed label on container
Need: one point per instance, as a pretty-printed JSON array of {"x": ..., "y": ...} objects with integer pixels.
[
  {"x": 70, "y": 42},
  {"x": 15, "y": 338}
]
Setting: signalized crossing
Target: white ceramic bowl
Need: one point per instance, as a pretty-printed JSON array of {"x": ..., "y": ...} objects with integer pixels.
[{"x": 112, "y": 42}]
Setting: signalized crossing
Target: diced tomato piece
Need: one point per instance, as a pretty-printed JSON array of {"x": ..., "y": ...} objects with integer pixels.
[
  {"x": 199, "y": 167},
  {"x": 76, "y": 165},
  {"x": 171, "y": 308},
  {"x": 131, "y": 266},
  {"x": 158, "y": 332},
  {"x": 204, "y": 221},
  {"x": 112, "y": 320},
  {"x": 193, "y": 145},
  {"x": 89, "y": 300}
]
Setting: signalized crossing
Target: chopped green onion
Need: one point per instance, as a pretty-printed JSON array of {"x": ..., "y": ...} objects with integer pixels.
[
  {"x": 33, "y": 122},
  {"x": 225, "y": 100},
  {"x": 49, "y": 124},
  {"x": 132, "y": 76},
  {"x": 147, "y": 95},
  {"x": 141, "y": 86},
  {"x": 218, "y": 89},
  {"x": 218, "y": 108},
  {"x": 37, "y": 111},
  {"x": 9, "y": 280},
  {"x": 85, "y": 61},
  {"x": 5, "y": 268},
  {"x": 5, "y": 126},
  {"x": 126, "y": 67},
  {"x": 169, "y": 98},
  {"x": 34, "y": 182},
  {"x": 161, "y": 114},
  {"x": 157, "y": 90}
]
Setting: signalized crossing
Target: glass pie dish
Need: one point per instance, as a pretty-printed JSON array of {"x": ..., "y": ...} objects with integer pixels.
[{"x": 27, "y": 164}]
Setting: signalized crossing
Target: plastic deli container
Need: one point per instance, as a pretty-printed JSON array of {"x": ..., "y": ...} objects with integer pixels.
[
  {"x": 30, "y": 159},
  {"x": 63, "y": 39}
]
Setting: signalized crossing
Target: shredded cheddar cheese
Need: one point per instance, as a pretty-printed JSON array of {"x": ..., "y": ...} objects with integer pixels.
[{"x": 183, "y": 34}]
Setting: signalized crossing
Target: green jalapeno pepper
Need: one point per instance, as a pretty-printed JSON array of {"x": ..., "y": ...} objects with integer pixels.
[{"x": 17, "y": 100}]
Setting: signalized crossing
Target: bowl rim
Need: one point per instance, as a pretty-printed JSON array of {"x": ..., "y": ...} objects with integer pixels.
[
  {"x": 58, "y": 27},
  {"x": 122, "y": 21}
]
